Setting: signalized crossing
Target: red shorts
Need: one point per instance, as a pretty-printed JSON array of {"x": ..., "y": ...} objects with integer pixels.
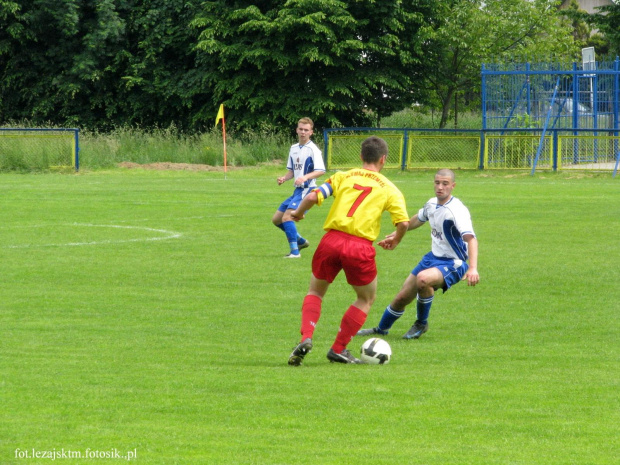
[{"x": 341, "y": 251}]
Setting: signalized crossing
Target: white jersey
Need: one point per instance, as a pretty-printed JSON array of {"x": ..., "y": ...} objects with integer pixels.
[
  {"x": 304, "y": 159},
  {"x": 449, "y": 223}
]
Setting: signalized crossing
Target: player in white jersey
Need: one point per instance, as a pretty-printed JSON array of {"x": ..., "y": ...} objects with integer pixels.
[
  {"x": 453, "y": 243},
  {"x": 305, "y": 164}
]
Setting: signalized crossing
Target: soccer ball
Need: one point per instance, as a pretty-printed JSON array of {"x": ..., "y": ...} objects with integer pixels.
[{"x": 376, "y": 351}]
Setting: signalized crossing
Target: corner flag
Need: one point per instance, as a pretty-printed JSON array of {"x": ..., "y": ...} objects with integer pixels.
[{"x": 220, "y": 114}]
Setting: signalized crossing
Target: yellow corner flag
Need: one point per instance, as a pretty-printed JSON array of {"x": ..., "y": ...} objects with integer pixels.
[{"x": 220, "y": 114}]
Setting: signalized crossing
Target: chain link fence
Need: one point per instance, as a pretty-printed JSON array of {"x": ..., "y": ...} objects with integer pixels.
[{"x": 521, "y": 149}]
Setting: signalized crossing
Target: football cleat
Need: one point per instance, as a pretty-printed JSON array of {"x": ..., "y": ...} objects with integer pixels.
[
  {"x": 305, "y": 245},
  {"x": 372, "y": 331},
  {"x": 292, "y": 255},
  {"x": 416, "y": 330},
  {"x": 299, "y": 352},
  {"x": 343, "y": 357}
]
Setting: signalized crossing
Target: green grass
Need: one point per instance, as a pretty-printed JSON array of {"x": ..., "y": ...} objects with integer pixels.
[
  {"x": 152, "y": 311},
  {"x": 167, "y": 145}
]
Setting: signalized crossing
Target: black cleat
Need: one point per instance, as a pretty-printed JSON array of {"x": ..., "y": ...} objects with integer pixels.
[
  {"x": 343, "y": 357},
  {"x": 416, "y": 330},
  {"x": 299, "y": 352}
]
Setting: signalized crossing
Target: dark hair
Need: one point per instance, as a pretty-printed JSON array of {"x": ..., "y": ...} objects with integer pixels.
[{"x": 373, "y": 149}]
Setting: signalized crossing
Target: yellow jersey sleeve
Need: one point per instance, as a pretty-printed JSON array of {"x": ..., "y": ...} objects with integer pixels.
[{"x": 360, "y": 198}]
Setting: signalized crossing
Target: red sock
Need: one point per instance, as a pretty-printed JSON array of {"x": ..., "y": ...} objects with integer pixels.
[
  {"x": 351, "y": 323},
  {"x": 310, "y": 314}
]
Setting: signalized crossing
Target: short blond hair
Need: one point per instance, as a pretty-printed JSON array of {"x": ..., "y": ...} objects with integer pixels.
[{"x": 306, "y": 120}]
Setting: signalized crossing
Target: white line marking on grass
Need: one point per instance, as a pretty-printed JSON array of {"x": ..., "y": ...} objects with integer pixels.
[{"x": 167, "y": 235}]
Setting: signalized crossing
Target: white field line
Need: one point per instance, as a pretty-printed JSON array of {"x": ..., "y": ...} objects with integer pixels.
[{"x": 166, "y": 235}]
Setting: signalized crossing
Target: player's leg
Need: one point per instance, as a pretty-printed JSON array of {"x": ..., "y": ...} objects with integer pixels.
[
  {"x": 353, "y": 319},
  {"x": 278, "y": 217},
  {"x": 427, "y": 281},
  {"x": 282, "y": 219},
  {"x": 310, "y": 314},
  {"x": 395, "y": 309},
  {"x": 311, "y": 307},
  {"x": 358, "y": 262},
  {"x": 324, "y": 271},
  {"x": 277, "y": 221},
  {"x": 290, "y": 229}
]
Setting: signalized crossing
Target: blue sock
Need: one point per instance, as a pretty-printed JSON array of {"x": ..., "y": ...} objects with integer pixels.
[
  {"x": 291, "y": 234},
  {"x": 424, "y": 308},
  {"x": 389, "y": 317},
  {"x": 300, "y": 240}
]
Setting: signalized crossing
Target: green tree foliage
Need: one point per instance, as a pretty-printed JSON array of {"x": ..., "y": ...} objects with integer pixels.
[
  {"x": 340, "y": 62},
  {"x": 473, "y": 32},
  {"x": 607, "y": 21},
  {"x": 98, "y": 64},
  {"x": 580, "y": 22},
  {"x": 161, "y": 81},
  {"x": 53, "y": 58},
  {"x": 107, "y": 63}
]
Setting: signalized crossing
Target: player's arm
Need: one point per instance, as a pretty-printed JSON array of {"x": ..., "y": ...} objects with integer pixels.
[
  {"x": 282, "y": 179},
  {"x": 413, "y": 223},
  {"x": 472, "y": 275},
  {"x": 390, "y": 242},
  {"x": 306, "y": 204},
  {"x": 308, "y": 177}
]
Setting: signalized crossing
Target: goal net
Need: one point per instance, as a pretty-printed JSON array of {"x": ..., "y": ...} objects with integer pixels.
[{"x": 38, "y": 149}]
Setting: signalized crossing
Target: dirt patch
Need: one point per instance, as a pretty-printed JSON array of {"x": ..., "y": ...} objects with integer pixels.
[
  {"x": 171, "y": 166},
  {"x": 161, "y": 166}
]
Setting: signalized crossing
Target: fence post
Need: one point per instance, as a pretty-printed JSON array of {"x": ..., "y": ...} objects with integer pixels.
[
  {"x": 484, "y": 97},
  {"x": 555, "y": 150},
  {"x": 481, "y": 161},
  {"x": 77, "y": 149},
  {"x": 616, "y": 105},
  {"x": 403, "y": 160},
  {"x": 325, "y": 147}
]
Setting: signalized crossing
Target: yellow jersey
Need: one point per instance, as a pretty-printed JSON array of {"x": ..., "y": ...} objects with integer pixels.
[{"x": 360, "y": 198}]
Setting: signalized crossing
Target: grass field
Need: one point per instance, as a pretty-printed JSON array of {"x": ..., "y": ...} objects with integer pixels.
[{"x": 151, "y": 314}]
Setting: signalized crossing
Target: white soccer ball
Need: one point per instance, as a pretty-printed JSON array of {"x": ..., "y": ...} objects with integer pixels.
[{"x": 376, "y": 351}]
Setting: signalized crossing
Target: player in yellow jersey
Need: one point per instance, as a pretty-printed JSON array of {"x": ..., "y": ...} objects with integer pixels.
[{"x": 361, "y": 195}]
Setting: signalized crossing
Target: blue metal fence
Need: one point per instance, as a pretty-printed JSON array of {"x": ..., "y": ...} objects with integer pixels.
[{"x": 518, "y": 95}]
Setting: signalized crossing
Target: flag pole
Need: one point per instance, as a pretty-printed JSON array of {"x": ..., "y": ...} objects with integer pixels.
[
  {"x": 224, "y": 139},
  {"x": 220, "y": 116}
]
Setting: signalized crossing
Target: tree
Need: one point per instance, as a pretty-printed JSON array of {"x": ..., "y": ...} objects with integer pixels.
[
  {"x": 52, "y": 55},
  {"x": 99, "y": 64},
  {"x": 607, "y": 21},
  {"x": 340, "y": 62},
  {"x": 473, "y": 32}
]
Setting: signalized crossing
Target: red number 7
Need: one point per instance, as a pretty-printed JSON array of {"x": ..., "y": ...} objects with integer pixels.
[{"x": 365, "y": 192}]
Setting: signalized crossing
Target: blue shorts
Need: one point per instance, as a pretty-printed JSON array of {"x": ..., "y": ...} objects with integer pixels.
[
  {"x": 293, "y": 201},
  {"x": 452, "y": 270}
]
